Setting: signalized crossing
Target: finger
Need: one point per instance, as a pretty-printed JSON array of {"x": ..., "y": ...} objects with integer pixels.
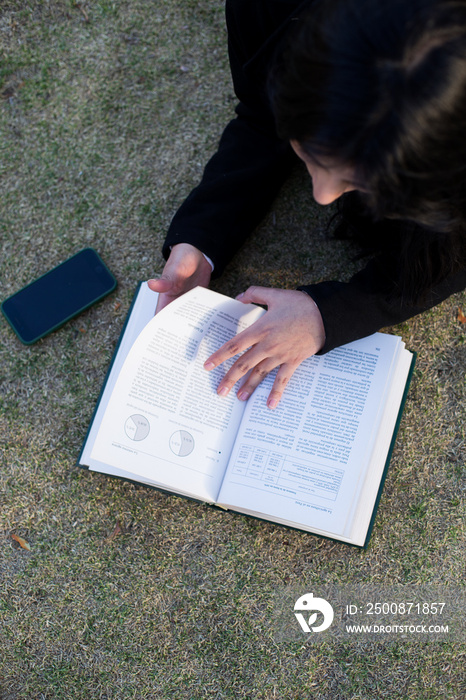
[
  {"x": 259, "y": 373},
  {"x": 243, "y": 364},
  {"x": 241, "y": 342},
  {"x": 162, "y": 302},
  {"x": 257, "y": 295},
  {"x": 284, "y": 375},
  {"x": 162, "y": 285}
]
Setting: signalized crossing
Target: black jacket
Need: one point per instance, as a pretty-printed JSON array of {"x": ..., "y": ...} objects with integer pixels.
[{"x": 243, "y": 177}]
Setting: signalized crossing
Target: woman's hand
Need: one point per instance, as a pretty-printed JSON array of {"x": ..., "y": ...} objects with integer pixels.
[
  {"x": 290, "y": 331},
  {"x": 185, "y": 269}
]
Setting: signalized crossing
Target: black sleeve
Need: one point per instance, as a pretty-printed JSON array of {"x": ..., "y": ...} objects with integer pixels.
[
  {"x": 243, "y": 177},
  {"x": 236, "y": 191},
  {"x": 367, "y": 303}
]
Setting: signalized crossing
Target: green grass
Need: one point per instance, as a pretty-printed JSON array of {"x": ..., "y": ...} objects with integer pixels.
[{"x": 108, "y": 112}]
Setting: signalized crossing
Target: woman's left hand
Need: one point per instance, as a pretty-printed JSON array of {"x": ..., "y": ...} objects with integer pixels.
[{"x": 290, "y": 331}]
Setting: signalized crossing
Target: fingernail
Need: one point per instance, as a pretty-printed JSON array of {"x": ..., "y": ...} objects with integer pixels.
[
  {"x": 209, "y": 365},
  {"x": 224, "y": 391},
  {"x": 240, "y": 296},
  {"x": 243, "y": 396},
  {"x": 272, "y": 403}
]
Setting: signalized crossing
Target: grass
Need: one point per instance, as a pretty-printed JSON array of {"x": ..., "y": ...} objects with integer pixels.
[{"x": 109, "y": 110}]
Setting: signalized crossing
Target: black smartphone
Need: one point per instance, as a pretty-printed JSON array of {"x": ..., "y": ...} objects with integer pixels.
[{"x": 59, "y": 295}]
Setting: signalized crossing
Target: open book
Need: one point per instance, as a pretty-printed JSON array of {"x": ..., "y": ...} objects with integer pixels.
[{"x": 316, "y": 462}]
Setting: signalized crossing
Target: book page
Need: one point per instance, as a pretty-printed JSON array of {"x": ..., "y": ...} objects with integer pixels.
[
  {"x": 304, "y": 462},
  {"x": 165, "y": 424},
  {"x": 142, "y": 311},
  {"x": 360, "y": 517}
]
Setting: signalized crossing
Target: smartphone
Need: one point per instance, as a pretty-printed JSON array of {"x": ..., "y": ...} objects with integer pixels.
[{"x": 59, "y": 295}]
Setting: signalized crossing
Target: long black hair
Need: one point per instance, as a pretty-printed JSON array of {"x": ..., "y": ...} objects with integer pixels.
[{"x": 381, "y": 86}]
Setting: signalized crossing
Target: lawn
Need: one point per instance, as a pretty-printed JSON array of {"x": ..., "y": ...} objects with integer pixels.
[{"x": 108, "y": 111}]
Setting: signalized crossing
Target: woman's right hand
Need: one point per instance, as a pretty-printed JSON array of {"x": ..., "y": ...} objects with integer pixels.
[{"x": 185, "y": 269}]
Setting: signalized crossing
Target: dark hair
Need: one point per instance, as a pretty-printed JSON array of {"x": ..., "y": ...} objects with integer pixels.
[{"x": 381, "y": 86}]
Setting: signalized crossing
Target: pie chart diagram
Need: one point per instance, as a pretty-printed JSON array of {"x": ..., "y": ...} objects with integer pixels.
[
  {"x": 137, "y": 427},
  {"x": 181, "y": 443}
]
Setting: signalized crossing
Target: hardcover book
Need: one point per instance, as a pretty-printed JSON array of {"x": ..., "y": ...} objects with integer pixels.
[{"x": 316, "y": 463}]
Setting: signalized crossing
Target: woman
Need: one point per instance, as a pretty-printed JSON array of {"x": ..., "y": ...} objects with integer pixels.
[{"x": 372, "y": 97}]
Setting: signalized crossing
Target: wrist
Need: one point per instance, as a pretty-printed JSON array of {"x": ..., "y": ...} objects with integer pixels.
[{"x": 319, "y": 321}]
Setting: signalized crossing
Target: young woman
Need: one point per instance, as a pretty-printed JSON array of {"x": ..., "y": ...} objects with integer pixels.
[{"x": 372, "y": 97}]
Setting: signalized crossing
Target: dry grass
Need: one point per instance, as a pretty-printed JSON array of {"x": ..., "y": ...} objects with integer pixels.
[{"x": 109, "y": 110}]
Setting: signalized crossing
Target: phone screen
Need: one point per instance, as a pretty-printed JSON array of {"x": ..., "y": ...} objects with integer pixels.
[{"x": 57, "y": 296}]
